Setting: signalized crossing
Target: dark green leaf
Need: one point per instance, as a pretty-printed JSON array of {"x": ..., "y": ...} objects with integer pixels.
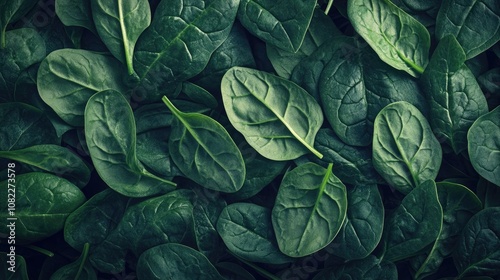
[
  {"x": 278, "y": 119},
  {"x": 405, "y": 151},
  {"x": 316, "y": 201},
  {"x": 280, "y": 23},
  {"x": 15, "y": 270},
  {"x": 119, "y": 24},
  {"x": 484, "y": 146},
  {"x": 399, "y": 39},
  {"x": 415, "y": 224},
  {"x": 204, "y": 151},
  {"x": 205, "y": 215},
  {"x": 111, "y": 139},
  {"x": 11, "y": 11},
  {"x": 75, "y": 13},
  {"x": 175, "y": 261},
  {"x": 362, "y": 229},
  {"x": 42, "y": 203},
  {"x": 478, "y": 247},
  {"x": 67, "y": 78},
  {"x": 247, "y": 231},
  {"x": 475, "y": 24},
  {"x": 78, "y": 270}
]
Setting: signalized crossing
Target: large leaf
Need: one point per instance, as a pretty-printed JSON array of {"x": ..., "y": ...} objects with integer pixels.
[
  {"x": 316, "y": 201},
  {"x": 484, "y": 145},
  {"x": 180, "y": 41},
  {"x": 278, "y": 119},
  {"x": 177, "y": 262},
  {"x": 281, "y": 23},
  {"x": 111, "y": 140},
  {"x": 10, "y": 11},
  {"x": 42, "y": 203},
  {"x": 248, "y": 233},
  {"x": 399, "y": 39},
  {"x": 362, "y": 229},
  {"x": 67, "y": 78},
  {"x": 119, "y": 24},
  {"x": 203, "y": 150},
  {"x": 454, "y": 95},
  {"x": 405, "y": 151},
  {"x": 475, "y": 24},
  {"x": 478, "y": 248},
  {"x": 415, "y": 224}
]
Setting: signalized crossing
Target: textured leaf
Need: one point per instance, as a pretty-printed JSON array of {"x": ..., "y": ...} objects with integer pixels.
[
  {"x": 11, "y": 11},
  {"x": 278, "y": 119},
  {"x": 316, "y": 201},
  {"x": 110, "y": 134},
  {"x": 281, "y": 23},
  {"x": 399, "y": 39},
  {"x": 405, "y": 152}
]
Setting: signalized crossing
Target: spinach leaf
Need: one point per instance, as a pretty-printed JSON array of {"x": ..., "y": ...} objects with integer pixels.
[
  {"x": 198, "y": 95},
  {"x": 75, "y": 13},
  {"x": 204, "y": 151},
  {"x": 316, "y": 201},
  {"x": 67, "y": 78},
  {"x": 54, "y": 159},
  {"x": 454, "y": 95},
  {"x": 353, "y": 165},
  {"x": 119, "y": 24},
  {"x": 158, "y": 220},
  {"x": 362, "y": 229},
  {"x": 398, "y": 39},
  {"x": 180, "y": 40},
  {"x": 278, "y": 119},
  {"x": 79, "y": 269},
  {"x": 484, "y": 144},
  {"x": 205, "y": 215},
  {"x": 405, "y": 151},
  {"x": 478, "y": 247},
  {"x": 111, "y": 140},
  {"x": 95, "y": 219},
  {"x": 24, "y": 48},
  {"x": 23, "y": 126},
  {"x": 42, "y": 203},
  {"x": 248, "y": 233},
  {"x": 280, "y": 23},
  {"x": 10, "y": 12},
  {"x": 367, "y": 268},
  {"x": 414, "y": 224},
  {"x": 475, "y": 24},
  {"x": 178, "y": 262},
  {"x": 459, "y": 205}
]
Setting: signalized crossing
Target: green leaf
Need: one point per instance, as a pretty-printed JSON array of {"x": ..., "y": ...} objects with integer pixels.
[
  {"x": 55, "y": 159},
  {"x": 398, "y": 39},
  {"x": 10, "y": 272},
  {"x": 280, "y": 23},
  {"x": 316, "y": 201},
  {"x": 369, "y": 268},
  {"x": 67, "y": 78},
  {"x": 405, "y": 151},
  {"x": 180, "y": 40},
  {"x": 459, "y": 205},
  {"x": 42, "y": 203},
  {"x": 110, "y": 134},
  {"x": 203, "y": 150},
  {"x": 163, "y": 219},
  {"x": 478, "y": 248},
  {"x": 11, "y": 11},
  {"x": 278, "y": 119},
  {"x": 484, "y": 146},
  {"x": 475, "y": 24},
  {"x": 24, "y": 48},
  {"x": 119, "y": 23},
  {"x": 198, "y": 95},
  {"x": 177, "y": 262},
  {"x": 95, "y": 219},
  {"x": 247, "y": 231},
  {"x": 362, "y": 229},
  {"x": 415, "y": 224},
  {"x": 454, "y": 95},
  {"x": 79, "y": 269},
  {"x": 75, "y": 13}
]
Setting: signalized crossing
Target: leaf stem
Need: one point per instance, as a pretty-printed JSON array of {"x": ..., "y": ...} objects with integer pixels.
[
  {"x": 85, "y": 253},
  {"x": 328, "y": 7},
  {"x": 128, "y": 55},
  {"x": 2, "y": 38},
  {"x": 40, "y": 250}
]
